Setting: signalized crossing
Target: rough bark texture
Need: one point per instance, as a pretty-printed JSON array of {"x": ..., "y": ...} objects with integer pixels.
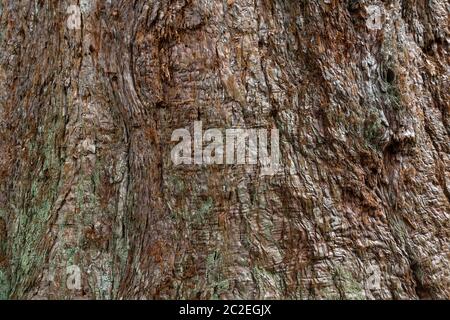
[{"x": 86, "y": 118}]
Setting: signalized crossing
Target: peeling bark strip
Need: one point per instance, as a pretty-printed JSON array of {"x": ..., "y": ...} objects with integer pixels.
[{"x": 91, "y": 205}]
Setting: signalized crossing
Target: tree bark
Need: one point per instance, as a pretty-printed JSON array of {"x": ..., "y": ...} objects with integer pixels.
[{"x": 360, "y": 209}]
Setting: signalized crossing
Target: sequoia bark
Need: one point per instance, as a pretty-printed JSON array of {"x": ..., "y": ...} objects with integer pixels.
[{"x": 360, "y": 210}]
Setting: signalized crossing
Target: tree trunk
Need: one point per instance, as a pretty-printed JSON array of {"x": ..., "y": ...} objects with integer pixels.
[{"x": 92, "y": 206}]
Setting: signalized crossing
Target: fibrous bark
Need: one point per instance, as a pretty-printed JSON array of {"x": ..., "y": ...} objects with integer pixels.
[{"x": 360, "y": 210}]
